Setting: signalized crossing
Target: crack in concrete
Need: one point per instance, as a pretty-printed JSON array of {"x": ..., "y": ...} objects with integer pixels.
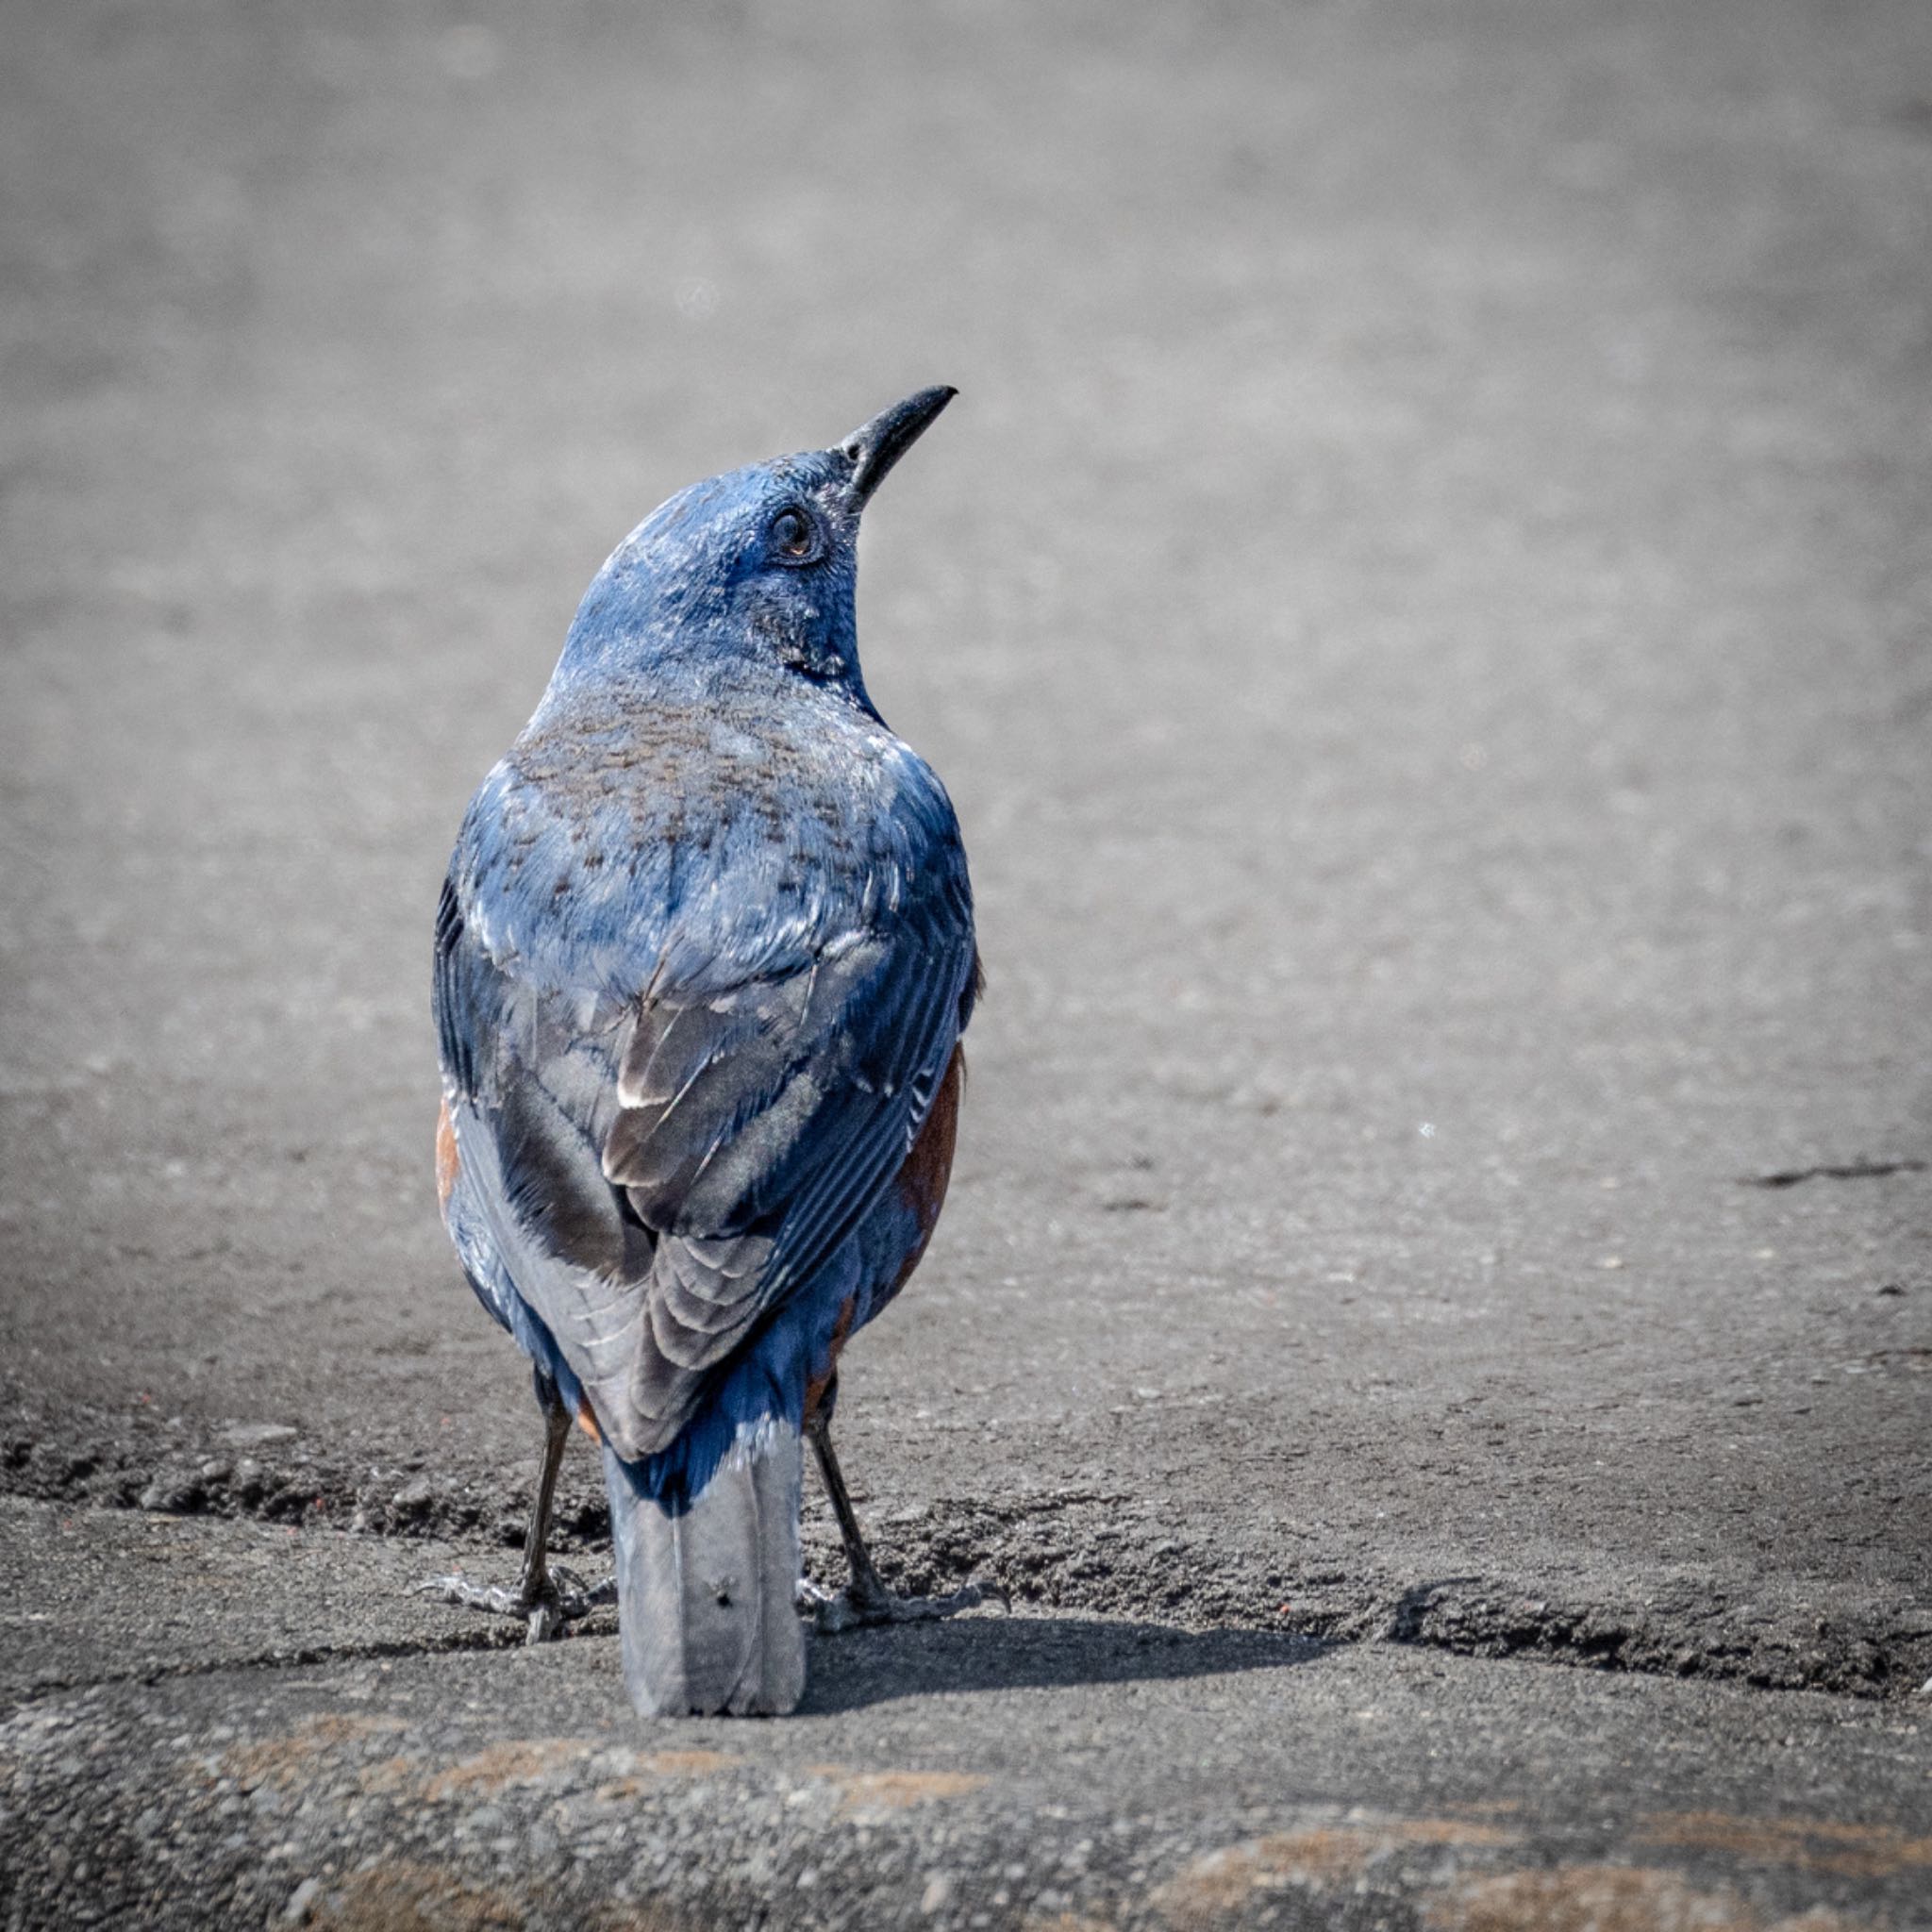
[
  {"x": 1075, "y": 1550},
  {"x": 301, "y": 1657},
  {"x": 1850, "y": 1171}
]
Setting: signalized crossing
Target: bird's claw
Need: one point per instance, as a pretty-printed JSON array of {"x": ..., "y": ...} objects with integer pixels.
[
  {"x": 865, "y": 1605},
  {"x": 562, "y": 1598}
]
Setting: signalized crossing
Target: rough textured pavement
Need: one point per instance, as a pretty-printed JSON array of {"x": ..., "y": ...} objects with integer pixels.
[{"x": 1423, "y": 605}]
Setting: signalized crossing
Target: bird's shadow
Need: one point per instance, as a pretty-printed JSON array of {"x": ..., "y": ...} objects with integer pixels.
[{"x": 1013, "y": 1652}]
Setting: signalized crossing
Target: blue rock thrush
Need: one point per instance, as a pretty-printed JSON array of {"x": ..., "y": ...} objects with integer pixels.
[{"x": 702, "y": 961}]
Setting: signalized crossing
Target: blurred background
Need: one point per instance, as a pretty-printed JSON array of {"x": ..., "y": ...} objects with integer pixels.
[{"x": 1422, "y": 605}]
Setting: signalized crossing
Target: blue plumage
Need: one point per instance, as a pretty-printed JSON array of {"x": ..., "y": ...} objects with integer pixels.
[{"x": 703, "y": 960}]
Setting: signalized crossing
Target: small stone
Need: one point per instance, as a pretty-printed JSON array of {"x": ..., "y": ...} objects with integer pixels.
[
  {"x": 169, "y": 1490},
  {"x": 254, "y": 1434},
  {"x": 304, "y": 1895},
  {"x": 415, "y": 1497},
  {"x": 937, "y": 1893}
]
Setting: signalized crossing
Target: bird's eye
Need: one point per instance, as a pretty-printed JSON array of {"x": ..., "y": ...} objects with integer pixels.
[{"x": 793, "y": 534}]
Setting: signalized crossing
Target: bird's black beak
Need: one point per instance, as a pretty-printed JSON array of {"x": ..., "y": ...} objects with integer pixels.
[{"x": 874, "y": 448}]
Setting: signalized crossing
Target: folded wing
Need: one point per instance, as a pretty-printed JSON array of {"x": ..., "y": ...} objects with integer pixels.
[{"x": 659, "y": 1174}]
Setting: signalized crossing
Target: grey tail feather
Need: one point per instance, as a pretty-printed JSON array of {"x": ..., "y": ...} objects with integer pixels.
[{"x": 706, "y": 1602}]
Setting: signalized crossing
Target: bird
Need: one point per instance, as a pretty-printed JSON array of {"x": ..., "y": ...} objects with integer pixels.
[{"x": 704, "y": 956}]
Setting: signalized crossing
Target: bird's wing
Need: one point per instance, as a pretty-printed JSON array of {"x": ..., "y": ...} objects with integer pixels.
[{"x": 661, "y": 1172}]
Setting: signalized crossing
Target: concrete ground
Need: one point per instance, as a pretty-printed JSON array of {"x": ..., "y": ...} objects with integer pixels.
[{"x": 1424, "y": 604}]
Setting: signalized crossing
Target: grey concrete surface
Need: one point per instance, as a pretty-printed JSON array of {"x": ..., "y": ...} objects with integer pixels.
[
  {"x": 1052, "y": 1770},
  {"x": 1423, "y": 605}
]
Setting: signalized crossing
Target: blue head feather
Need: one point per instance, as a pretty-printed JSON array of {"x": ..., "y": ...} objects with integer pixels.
[
  {"x": 762, "y": 560},
  {"x": 758, "y": 565}
]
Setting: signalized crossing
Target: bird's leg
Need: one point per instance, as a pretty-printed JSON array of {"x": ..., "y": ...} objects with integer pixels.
[
  {"x": 865, "y": 1598},
  {"x": 866, "y": 1590},
  {"x": 545, "y": 1598}
]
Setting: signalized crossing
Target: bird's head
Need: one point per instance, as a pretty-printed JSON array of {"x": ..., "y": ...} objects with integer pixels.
[{"x": 758, "y": 565}]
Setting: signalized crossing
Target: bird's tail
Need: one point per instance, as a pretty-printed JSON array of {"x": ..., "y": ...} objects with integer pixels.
[{"x": 707, "y": 1598}]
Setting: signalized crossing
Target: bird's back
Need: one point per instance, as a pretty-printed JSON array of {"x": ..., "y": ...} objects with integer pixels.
[{"x": 701, "y": 969}]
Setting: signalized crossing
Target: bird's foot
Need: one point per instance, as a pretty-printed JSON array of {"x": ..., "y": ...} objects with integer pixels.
[
  {"x": 561, "y": 1597},
  {"x": 865, "y": 1604}
]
